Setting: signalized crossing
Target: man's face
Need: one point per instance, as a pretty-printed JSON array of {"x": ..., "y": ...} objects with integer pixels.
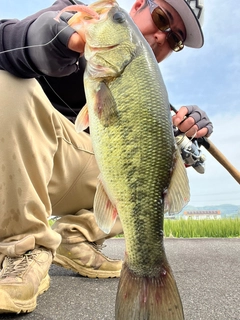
[{"x": 156, "y": 38}]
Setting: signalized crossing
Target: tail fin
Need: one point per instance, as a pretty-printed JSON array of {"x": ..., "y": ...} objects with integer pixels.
[{"x": 148, "y": 298}]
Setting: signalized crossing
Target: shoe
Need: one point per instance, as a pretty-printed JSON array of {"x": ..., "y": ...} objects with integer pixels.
[
  {"x": 22, "y": 279},
  {"x": 87, "y": 259}
]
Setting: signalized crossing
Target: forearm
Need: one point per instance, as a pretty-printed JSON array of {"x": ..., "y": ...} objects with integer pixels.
[{"x": 13, "y": 39}]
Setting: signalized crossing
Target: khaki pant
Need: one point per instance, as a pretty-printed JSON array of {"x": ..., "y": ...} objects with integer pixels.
[{"x": 46, "y": 169}]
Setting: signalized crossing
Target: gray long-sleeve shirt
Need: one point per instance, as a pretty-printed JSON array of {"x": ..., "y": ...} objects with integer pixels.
[{"x": 63, "y": 92}]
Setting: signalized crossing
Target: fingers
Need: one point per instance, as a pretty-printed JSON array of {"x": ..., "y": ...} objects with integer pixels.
[
  {"x": 193, "y": 121},
  {"x": 76, "y": 43},
  {"x": 196, "y": 133},
  {"x": 180, "y": 116}
]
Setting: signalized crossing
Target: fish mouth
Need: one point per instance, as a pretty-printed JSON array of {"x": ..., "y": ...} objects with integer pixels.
[{"x": 100, "y": 48}]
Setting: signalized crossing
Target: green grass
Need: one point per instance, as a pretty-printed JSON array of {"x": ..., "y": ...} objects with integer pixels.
[{"x": 222, "y": 228}]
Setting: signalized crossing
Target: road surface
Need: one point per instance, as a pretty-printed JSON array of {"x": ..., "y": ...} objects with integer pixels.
[{"x": 207, "y": 272}]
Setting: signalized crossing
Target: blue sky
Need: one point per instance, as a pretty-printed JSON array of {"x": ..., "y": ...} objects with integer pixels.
[{"x": 207, "y": 77}]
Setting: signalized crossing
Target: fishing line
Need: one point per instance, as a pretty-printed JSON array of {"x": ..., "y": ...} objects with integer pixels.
[
  {"x": 36, "y": 45},
  {"x": 43, "y": 45},
  {"x": 45, "y": 79}
]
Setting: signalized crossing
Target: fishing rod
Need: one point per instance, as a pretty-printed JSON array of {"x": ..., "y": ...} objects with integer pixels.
[{"x": 212, "y": 149}]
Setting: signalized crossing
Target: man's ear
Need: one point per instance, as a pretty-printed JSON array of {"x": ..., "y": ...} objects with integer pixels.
[{"x": 136, "y": 6}]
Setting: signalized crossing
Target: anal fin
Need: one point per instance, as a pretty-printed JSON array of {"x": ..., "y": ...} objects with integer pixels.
[
  {"x": 104, "y": 210},
  {"x": 178, "y": 193}
]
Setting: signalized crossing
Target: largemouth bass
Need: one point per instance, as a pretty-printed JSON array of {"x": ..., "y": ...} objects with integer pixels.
[{"x": 142, "y": 172}]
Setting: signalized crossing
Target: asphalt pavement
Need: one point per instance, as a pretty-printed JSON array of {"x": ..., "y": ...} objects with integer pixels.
[{"x": 207, "y": 272}]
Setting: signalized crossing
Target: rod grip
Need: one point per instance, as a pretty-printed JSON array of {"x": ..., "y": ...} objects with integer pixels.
[{"x": 219, "y": 156}]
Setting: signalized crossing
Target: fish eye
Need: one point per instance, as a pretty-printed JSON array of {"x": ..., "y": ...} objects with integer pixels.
[{"x": 119, "y": 17}]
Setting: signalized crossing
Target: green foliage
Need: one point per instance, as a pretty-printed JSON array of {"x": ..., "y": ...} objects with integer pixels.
[
  {"x": 51, "y": 221},
  {"x": 217, "y": 228}
]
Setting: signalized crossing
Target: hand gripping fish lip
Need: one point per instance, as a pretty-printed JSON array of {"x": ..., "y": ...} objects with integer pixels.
[{"x": 90, "y": 13}]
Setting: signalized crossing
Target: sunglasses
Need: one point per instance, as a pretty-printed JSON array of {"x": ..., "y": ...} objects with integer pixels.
[{"x": 161, "y": 21}]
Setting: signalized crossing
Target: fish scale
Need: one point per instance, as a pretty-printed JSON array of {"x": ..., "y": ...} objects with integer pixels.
[
  {"x": 142, "y": 172},
  {"x": 140, "y": 150}
]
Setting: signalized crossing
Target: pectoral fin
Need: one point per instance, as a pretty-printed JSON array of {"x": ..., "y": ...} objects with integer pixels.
[
  {"x": 82, "y": 121},
  {"x": 105, "y": 105}
]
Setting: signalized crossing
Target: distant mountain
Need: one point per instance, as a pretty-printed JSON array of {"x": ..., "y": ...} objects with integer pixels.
[{"x": 227, "y": 210}]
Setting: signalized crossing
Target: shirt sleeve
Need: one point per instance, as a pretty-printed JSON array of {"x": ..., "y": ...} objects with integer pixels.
[{"x": 13, "y": 38}]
